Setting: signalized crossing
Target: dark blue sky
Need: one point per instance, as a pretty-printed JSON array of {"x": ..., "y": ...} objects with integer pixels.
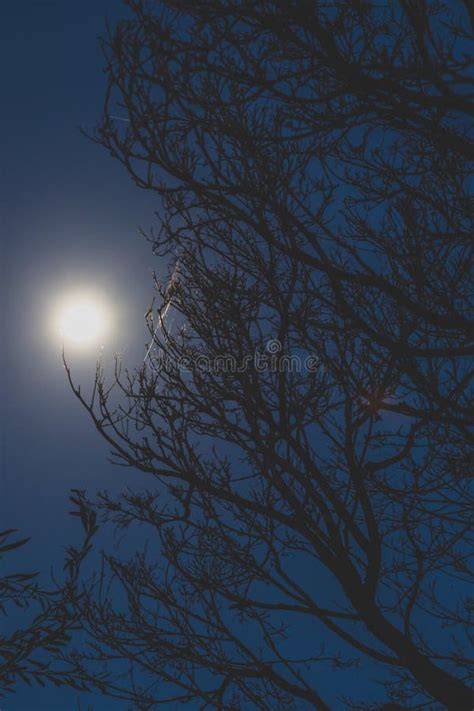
[{"x": 70, "y": 217}]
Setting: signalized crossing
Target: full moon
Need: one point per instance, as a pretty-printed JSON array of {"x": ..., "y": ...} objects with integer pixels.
[{"x": 82, "y": 320}]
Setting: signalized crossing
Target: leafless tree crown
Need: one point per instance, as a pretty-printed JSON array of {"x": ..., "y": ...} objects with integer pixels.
[{"x": 311, "y": 164}]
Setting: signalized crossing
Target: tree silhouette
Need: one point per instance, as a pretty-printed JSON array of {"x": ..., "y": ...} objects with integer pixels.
[
  {"x": 309, "y": 506},
  {"x": 35, "y": 652}
]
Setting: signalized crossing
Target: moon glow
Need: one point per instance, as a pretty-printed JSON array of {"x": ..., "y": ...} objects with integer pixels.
[{"x": 82, "y": 320}]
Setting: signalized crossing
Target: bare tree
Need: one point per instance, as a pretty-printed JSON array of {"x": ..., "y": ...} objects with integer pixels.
[
  {"x": 33, "y": 645},
  {"x": 308, "y": 429}
]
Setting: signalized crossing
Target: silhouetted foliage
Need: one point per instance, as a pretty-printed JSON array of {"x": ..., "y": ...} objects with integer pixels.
[
  {"x": 35, "y": 652},
  {"x": 311, "y": 160}
]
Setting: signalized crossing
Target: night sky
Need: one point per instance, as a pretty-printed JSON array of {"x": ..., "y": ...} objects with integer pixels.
[{"x": 70, "y": 219}]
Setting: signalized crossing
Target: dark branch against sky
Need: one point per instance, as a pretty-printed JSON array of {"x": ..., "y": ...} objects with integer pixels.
[
  {"x": 303, "y": 207},
  {"x": 68, "y": 216}
]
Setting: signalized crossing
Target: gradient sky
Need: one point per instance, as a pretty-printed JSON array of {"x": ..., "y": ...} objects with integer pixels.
[{"x": 70, "y": 217}]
